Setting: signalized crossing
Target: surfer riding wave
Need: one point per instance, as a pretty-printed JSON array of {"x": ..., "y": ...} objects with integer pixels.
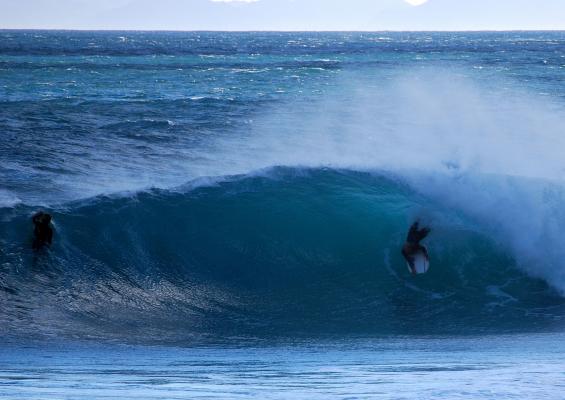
[{"x": 412, "y": 247}]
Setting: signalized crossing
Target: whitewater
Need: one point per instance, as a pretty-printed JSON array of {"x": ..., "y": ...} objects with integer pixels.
[{"x": 217, "y": 190}]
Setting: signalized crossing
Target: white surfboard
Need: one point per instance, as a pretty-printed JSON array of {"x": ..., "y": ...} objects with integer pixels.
[{"x": 421, "y": 264}]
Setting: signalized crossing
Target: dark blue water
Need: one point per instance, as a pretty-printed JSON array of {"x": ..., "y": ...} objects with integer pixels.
[{"x": 253, "y": 189}]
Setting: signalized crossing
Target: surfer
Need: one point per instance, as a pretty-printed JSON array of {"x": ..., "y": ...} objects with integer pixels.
[
  {"x": 412, "y": 246},
  {"x": 43, "y": 232}
]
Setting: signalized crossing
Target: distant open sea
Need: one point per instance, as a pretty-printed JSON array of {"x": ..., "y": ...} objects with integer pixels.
[{"x": 229, "y": 210}]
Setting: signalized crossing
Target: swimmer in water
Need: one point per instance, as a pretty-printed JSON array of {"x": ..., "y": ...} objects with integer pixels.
[
  {"x": 412, "y": 246},
  {"x": 43, "y": 232}
]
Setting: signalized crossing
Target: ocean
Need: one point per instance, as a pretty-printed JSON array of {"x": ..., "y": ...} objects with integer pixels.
[{"x": 229, "y": 210}]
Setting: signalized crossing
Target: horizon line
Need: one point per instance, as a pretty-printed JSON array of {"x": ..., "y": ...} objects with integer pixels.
[{"x": 280, "y": 31}]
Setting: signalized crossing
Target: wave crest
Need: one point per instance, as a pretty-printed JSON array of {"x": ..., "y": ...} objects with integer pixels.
[{"x": 296, "y": 251}]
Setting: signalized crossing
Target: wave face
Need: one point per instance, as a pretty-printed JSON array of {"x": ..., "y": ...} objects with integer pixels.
[
  {"x": 287, "y": 251},
  {"x": 261, "y": 184}
]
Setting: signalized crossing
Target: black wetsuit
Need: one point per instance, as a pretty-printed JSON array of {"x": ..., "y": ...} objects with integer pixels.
[{"x": 43, "y": 232}]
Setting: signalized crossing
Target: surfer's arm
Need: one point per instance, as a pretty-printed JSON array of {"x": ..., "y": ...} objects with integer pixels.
[{"x": 422, "y": 233}]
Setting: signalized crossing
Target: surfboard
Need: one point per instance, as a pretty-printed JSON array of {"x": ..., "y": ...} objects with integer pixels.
[{"x": 421, "y": 264}]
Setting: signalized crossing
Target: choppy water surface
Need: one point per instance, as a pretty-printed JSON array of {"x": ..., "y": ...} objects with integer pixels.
[
  {"x": 212, "y": 191},
  {"x": 510, "y": 367}
]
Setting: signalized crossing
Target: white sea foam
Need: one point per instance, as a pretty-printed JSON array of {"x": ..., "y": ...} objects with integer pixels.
[
  {"x": 490, "y": 152},
  {"x": 8, "y": 199},
  {"x": 480, "y": 146}
]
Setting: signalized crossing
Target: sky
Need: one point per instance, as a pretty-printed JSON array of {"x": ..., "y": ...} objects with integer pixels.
[{"x": 291, "y": 15}]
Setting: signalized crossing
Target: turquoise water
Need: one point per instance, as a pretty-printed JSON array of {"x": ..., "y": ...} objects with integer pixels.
[
  {"x": 229, "y": 210},
  {"x": 309, "y": 252}
]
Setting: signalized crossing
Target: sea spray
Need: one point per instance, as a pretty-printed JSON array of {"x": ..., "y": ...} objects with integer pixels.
[{"x": 195, "y": 199}]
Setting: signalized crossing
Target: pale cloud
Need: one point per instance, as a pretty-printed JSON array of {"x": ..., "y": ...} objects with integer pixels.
[
  {"x": 416, "y": 3},
  {"x": 292, "y": 15}
]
